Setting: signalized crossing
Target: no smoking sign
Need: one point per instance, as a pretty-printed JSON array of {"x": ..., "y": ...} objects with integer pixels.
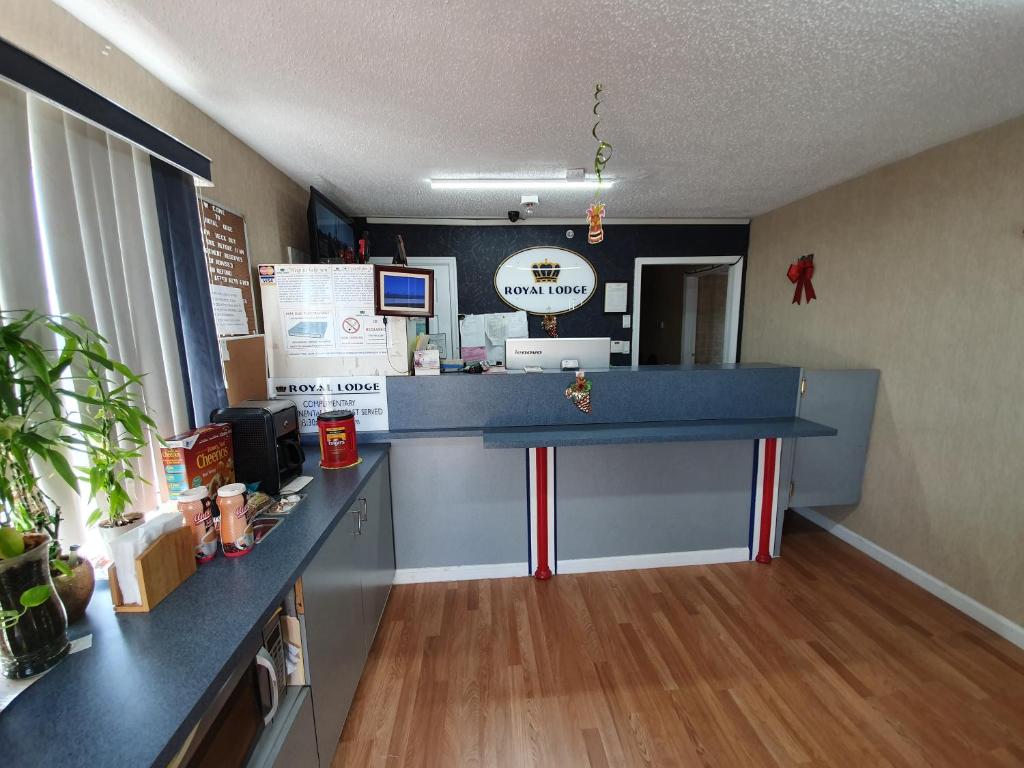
[{"x": 350, "y": 325}]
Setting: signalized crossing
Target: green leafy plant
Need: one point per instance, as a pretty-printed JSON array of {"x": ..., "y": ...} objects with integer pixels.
[
  {"x": 30, "y": 598},
  {"x": 12, "y": 544},
  {"x": 61, "y": 391}
]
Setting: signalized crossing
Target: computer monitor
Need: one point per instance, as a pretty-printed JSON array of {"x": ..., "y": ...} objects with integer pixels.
[{"x": 591, "y": 354}]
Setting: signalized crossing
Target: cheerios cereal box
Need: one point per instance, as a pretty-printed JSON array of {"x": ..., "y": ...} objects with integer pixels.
[{"x": 203, "y": 456}]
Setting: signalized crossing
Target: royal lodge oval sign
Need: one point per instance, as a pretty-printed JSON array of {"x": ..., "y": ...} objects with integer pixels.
[{"x": 545, "y": 280}]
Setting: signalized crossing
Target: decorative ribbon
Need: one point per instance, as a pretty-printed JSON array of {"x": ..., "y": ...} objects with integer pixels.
[{"x": 800, "y": 272}]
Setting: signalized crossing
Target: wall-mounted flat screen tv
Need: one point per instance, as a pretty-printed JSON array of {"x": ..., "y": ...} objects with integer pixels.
[
  {"x": 331, "y": 238},
  {"x": 403, "y": 291}
]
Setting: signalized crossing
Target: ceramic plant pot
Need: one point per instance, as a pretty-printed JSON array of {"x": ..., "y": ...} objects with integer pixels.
[
  {"x": 110, "y": 532},
  {"x": 75, "y": 590},
  {"x": 39, "y": 638}
]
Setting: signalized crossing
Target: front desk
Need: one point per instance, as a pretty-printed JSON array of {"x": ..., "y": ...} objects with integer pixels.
[
  {"x": 500, "y": 475},
  {"x": 495, "y": 475}
]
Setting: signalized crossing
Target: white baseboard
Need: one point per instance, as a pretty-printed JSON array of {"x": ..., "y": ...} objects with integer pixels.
[
  {"x": 656, "y": 560},
  {"x": 585, "y": 565},
  {"x": 985, "y": 616},
  {"x": 460, "y": 573}
]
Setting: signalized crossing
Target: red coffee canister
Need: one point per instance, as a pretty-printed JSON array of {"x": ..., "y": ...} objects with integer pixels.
[{"x": 338, "y": 447}]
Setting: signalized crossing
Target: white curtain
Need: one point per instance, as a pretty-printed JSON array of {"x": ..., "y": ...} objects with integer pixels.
[{"x": 79, "y": 233}]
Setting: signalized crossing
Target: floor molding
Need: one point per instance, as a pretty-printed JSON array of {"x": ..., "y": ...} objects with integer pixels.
[
  {"x": 656, "y": 560},
  {"x": 460, "y": 573},
  {"x": 584, "y": 565},
  {"x": 985, "y": 616}
]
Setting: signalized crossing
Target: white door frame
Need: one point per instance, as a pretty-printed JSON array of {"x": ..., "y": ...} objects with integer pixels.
[
  {"x": 732, "y": 298},
  {"x": 453, "y": 296}
]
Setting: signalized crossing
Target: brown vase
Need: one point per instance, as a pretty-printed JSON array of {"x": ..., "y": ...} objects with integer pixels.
[{"x": 75, "y": 590}]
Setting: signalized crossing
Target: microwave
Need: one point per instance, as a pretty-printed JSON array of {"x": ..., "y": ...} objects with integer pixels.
[{"x": 248, "y": 706}]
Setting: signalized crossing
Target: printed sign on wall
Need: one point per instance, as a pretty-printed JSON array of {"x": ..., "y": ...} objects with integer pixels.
[
  {"x": 545, "y": 280},
  {"x": 365, "y": 396},
  {"x": 325, "y": 310},
  {"x": 227, "y": 263}
]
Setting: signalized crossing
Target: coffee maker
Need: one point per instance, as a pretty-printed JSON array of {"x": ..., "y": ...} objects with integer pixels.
[{"x": 265, "y": 438}]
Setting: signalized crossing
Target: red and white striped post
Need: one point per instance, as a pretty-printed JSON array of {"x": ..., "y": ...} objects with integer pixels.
[
  {"x": 541, "y": 464},
  {"x": 765, "y": 502}
]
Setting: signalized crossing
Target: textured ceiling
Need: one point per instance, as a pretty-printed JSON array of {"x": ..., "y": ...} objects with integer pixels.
[{"x": 714, "y": 108}]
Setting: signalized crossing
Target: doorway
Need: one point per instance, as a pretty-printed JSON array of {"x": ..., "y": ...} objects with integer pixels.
[
  {"x": 686, "y": 310},
  {"x": 445, "y": 321}
]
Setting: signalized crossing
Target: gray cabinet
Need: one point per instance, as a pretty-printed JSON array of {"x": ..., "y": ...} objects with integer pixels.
[
  {"x": 299, "y": 747},
  {"x": 378, "y": 552},
  {"x": 332, "y": 592},
  {"x": 828, "y": 471},
  {"x": 290, "y": 741},
  {"x": 344, "y": 591}
]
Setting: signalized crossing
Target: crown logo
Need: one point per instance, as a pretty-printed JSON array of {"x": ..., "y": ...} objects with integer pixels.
[{"x": 546, "y": 271}]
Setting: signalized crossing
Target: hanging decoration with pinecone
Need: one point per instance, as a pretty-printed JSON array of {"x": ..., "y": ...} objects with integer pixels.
[
  {"x": 550, "y": 325},
  {"x": 579, "y": 392},
  {"x": 595, "y": 213}
]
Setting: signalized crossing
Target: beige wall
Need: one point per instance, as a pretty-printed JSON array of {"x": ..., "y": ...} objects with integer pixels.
[
  {"x": 273, "y": 205},
  {"x": 709, "y": 342},
  {"x": 920, "y": 273}
]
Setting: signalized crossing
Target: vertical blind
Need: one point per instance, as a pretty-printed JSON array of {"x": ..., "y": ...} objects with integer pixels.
[{"x": 80, "y": 233}]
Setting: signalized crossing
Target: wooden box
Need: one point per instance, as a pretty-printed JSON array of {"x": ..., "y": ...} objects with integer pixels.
[{"x": 165, "y": 564}]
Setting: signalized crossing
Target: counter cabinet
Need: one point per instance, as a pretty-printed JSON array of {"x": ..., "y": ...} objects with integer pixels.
[{"x": 345, "y": 589}]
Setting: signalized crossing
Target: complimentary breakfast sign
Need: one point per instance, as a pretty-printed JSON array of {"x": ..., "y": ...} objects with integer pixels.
[
  {"x": 545, "y": 280},
  {"x": 365, "y": 396}
]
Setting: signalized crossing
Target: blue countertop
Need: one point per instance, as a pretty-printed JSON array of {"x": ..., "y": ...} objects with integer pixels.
[
  {"x": 658, "y": 432},
  {"x": 133, "y": 698},
  {"x": 621, "y": 433},
  {"x": 651, "y": 393}
]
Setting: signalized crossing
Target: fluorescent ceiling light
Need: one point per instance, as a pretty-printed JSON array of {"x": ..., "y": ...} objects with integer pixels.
[{"x": 518, "y": 184}]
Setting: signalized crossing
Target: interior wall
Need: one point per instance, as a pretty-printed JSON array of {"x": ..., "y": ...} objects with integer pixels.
[
  {"x": 479, "y": 250},
  {"x": 712, "y": 291},
  {"x": 920, "y": 273},
  {"x": 273, "y": 205}
]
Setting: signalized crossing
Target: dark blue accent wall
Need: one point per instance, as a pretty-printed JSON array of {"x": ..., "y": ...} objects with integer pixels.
[{"x": 479, "y": 249}]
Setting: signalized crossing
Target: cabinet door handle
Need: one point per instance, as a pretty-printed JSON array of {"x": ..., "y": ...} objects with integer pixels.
[
  {"x": 362, "y": 500},
  {"x": 359, "y": 525}
]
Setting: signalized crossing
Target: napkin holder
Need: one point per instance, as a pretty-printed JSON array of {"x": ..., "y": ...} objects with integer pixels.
[{"x": 162, "y": 566}]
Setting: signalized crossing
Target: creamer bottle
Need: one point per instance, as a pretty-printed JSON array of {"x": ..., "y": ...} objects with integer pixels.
[
  {"x": 236, "y": 535},
  {"x": 196, "y": 506}
]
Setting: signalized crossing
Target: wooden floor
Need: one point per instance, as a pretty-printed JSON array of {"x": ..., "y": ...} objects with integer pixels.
[{"x": 822, "y": 658}]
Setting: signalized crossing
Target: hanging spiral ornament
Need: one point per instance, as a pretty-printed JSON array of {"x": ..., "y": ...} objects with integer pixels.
[
  {"x": 604, "y": 149},
  {"x": 595, "y": 213}
]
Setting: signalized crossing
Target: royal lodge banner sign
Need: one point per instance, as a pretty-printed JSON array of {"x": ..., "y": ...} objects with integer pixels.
[{"x": 545, "y": 280}]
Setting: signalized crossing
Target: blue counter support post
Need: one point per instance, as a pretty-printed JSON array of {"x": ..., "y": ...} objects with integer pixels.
[{"x": 541, "y": 508}]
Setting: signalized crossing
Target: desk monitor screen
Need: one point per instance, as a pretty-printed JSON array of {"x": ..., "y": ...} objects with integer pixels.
[{"x": 592, "y": 354}]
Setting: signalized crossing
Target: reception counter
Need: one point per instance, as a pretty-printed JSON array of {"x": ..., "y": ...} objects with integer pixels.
[
  {"x": 490, "y": 476},
  {"x": 500, "y": 475}
]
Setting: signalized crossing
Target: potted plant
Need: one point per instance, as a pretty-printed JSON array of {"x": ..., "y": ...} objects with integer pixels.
[
  {"x": 61, "y": 391},
  {"x": 33, "y": 625},
  {"x": 73, "y": 575}
]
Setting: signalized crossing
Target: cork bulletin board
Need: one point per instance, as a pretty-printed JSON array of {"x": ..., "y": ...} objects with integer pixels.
[{"x": 227, "y": 264}]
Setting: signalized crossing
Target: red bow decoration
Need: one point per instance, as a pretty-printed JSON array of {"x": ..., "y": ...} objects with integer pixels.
[{"x": 800, "y": 272}]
